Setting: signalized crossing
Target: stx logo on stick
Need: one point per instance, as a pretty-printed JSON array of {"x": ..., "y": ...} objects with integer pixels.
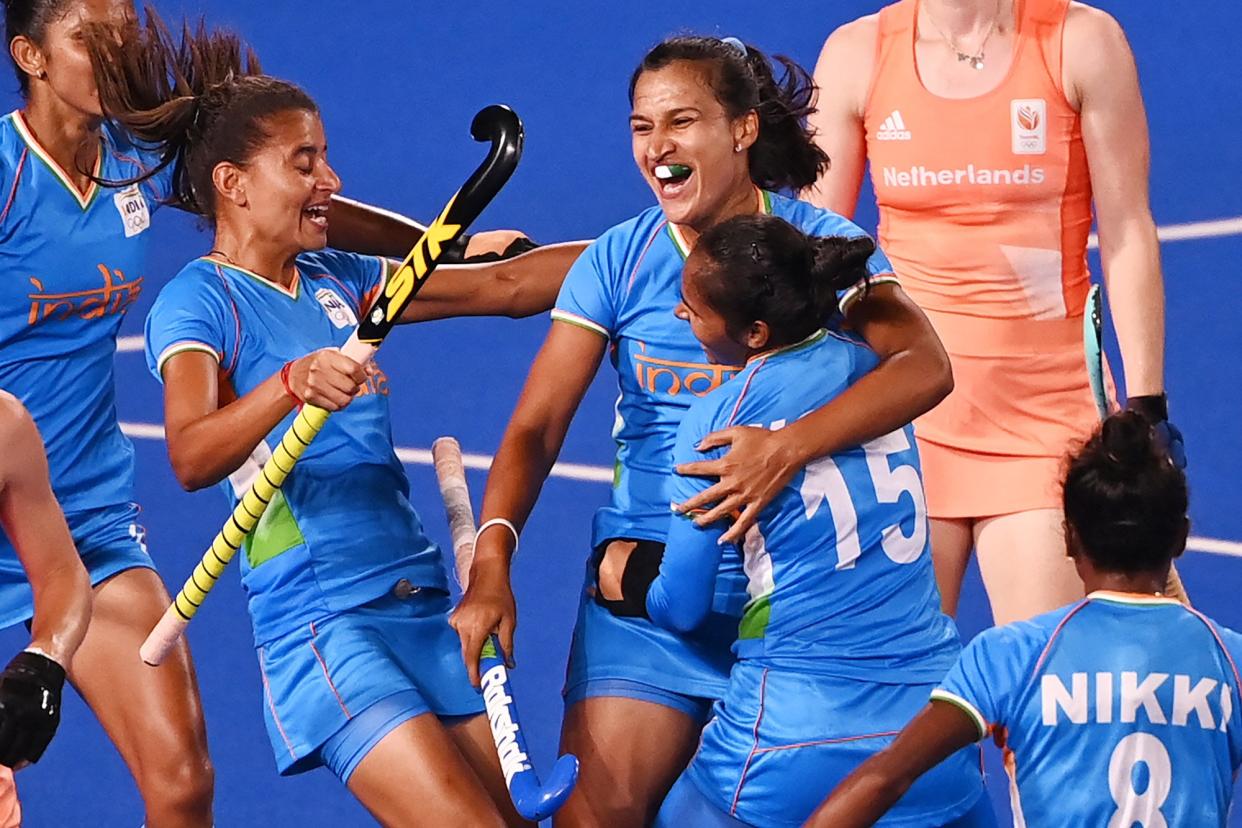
[{"x": 416, "y": 266}]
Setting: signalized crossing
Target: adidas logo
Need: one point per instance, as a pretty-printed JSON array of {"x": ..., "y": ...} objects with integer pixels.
[{"x": 893, "y": 129}]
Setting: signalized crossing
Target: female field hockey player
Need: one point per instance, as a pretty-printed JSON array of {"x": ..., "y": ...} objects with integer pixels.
[
  {"x": 1119, "y": 709},
  {"x": 814, "y": 690},
  {"x": 714, "y": 134},
  {"x": 73, "y": 256},
  {"x": 31, "y": 685},
  {"x": 992, "y": 128},
  {"x": 347, "y": 596}
]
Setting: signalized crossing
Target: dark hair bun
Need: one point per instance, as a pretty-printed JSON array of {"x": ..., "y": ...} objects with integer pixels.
[{"x": 1128, "y": 443}]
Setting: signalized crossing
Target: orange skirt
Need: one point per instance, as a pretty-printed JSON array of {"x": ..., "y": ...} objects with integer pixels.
[{"x": 1021, "y": 402}]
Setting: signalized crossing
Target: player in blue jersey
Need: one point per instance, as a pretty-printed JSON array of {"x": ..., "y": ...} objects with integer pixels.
[
  {"x": 715, "y": 135},
  {"x": 1119, "y": 709},
  {"x": 842, "y": 636},
  {"x": 347, "y": 595}
]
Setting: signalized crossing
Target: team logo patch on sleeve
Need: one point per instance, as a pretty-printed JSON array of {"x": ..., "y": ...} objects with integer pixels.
[
  {"x": 1028, "y": 120},
  {"x": 135, "y": 215},
  {"x": 341, "y": 314}
]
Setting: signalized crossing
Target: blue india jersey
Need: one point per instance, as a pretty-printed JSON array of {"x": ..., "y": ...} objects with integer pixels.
[
  {"x": 838, "y": 567},
  {"x": 342, "y": 531},
  {"x": 1118, "y": 710},
  {"x": 625, "y": 287},
  {"x": 71, "y": 264}
]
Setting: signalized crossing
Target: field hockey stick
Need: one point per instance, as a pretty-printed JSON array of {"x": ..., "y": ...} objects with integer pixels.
[
  {"x": 1093, "y": 339},
  {"x": 532, "y": 800},
  {"x": 500, "y": 126}
]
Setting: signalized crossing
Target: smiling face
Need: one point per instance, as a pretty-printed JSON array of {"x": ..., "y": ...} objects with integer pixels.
[
  {"x": 60, "y": 63},
  {"x": 691, "y": 153},
  {"x": 281, "y": 194}
]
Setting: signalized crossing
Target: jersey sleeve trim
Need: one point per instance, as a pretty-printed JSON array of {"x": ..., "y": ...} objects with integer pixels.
[
  {"x": 860, "y": 288},
  {"x": 17, "y": 177},
  {"x": 182, "y": 347},
  {"x": 559, "y": 315},
  {"x": 940, "y": 694}
]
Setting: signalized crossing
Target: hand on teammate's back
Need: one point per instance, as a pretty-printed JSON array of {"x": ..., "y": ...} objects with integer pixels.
[
  {"x": 758, "y": 465},
  {"x": 326, "y": 378},
  {"x": 494, "y": 245},
  {"x": 30, "y": 689}
]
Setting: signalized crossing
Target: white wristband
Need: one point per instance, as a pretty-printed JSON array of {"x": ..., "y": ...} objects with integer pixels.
[{"x": 487, "y": 524}]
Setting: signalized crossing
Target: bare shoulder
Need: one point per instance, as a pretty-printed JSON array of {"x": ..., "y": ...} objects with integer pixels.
[
  {"x": 1095, "y": 47},
  {"x": 15, "y": 420},
  {"x": 848, "y": 57}
]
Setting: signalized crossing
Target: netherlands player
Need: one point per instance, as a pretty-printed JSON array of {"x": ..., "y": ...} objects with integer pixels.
[
  {"x": 994, "y": 130},
  {"x": 842, "y": 637},
  {"x": 347, "y": 596},
  {"x": 31, "y": 685},
  {"x": 714, "y": 134},
  {"x": 1120, "y": 709}
]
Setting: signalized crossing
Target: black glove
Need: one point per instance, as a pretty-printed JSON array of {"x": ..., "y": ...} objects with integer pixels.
[
  {"x": 456, "y": 252},
  {"x": 30, "y": 690},
  {"x": 1155, "y": 409},
  {"x": 640, "y": 570}
]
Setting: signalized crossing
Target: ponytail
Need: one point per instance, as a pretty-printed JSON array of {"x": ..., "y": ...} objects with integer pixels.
[{"x": 761, "y": 267}]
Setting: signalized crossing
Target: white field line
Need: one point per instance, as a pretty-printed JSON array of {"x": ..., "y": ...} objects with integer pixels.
[{"x": 603, "y": 474}]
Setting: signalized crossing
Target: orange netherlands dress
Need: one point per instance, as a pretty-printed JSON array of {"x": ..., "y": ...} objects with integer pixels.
[{"x": 985, "y": 209}]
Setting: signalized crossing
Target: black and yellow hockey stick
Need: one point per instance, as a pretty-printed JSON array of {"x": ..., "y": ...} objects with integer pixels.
[{"x": 500, "y": 126}]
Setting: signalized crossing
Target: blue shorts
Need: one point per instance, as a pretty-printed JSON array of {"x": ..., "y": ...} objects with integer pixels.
[
  {"x": 686, "y": 805},
  {"x": 634, "y": 658},
  {"x": 779, "y": 742},
  {"x": 109, "y": 540},
  {"x": 319, "y": 678}
]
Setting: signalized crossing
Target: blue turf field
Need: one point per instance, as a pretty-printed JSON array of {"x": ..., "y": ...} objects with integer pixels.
[{"x": 398, "y": 83}]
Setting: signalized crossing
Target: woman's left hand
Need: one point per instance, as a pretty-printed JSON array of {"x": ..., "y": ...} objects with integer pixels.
[{"x": 758, "y": 465}]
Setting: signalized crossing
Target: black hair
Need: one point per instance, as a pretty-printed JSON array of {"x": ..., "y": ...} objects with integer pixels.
[
  {"x": 199, "y": 102},
  {"x": 29, "y": 19},
  {"x": 761, "y": 267},
  {"x": 785, "y": 156},
  {"x": 1125, "y": 499}
]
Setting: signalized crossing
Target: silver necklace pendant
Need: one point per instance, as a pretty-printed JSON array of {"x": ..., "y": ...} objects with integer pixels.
[{"x": 975, "y": 61}]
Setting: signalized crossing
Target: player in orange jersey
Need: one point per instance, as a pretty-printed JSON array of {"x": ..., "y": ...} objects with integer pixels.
[{"x": 992, "y": 127}]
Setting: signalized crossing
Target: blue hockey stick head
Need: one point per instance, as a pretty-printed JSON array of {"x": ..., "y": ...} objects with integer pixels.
[
  {"x": 537, "y": 802},
  {"x": 534, "y": 801}
]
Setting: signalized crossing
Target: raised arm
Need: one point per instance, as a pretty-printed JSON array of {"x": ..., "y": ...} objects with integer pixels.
[
  {"x": 1102, "y": 80},
  {"x": 210, "y": 435},
  {"x": 362, "y": 228},
  {"x": 559, "y": 378},
  {"x": 842, "y": 75},
  {"x": 31, "y": 684},
  {"x": 914, "y": 375},
  {"x": 875, "y": 786},
  {"x": 521, "y": 286}
]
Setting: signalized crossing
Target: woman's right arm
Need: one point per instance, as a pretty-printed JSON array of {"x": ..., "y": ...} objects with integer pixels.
[
  {"x": 843, "y": 76},
  {"x": 207, "y": 442},
  {"x": 559, "y": 378}
]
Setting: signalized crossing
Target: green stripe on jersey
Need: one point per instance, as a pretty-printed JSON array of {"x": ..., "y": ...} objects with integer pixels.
[
  {"x": 276, "y": 533},
  {"x": 755, "y": 618}
]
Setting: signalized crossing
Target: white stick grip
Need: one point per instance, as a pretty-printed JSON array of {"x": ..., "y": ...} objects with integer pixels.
[
  {"x": 451, "y": 473},
  {"x": 357, "y": 350},
  {"x": 163, "y": 638}
]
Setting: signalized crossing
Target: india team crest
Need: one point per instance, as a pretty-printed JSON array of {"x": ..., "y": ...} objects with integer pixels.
[
  {"x": 135, "y": 214},
  {"x": 341, "y": 314},
  {"x": 1028, "y": 124}
]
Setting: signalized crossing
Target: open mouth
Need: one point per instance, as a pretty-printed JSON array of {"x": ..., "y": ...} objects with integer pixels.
[
  {"x": 672, "y": 178},
  {"x": 317, "y": 214}
]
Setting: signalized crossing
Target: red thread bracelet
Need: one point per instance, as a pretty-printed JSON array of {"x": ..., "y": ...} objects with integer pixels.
[{"x": 284, "y": 380}]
